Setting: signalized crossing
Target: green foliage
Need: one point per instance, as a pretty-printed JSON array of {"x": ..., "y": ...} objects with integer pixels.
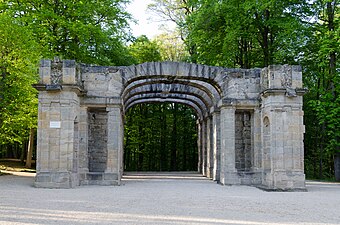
[
  {"x": 322, "y": 77},
  {"x": 245, "y": 33},
  {"x": 144, "y": 50},
  {"x": 160, "y": 137},
  {"x": 87, "y": 31},
  {"x": 171, "y": 47},
  {"x": 19, "y": 56}
]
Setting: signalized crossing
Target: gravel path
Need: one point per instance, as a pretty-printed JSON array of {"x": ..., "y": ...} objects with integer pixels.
[{"x": 168, "y": 199}]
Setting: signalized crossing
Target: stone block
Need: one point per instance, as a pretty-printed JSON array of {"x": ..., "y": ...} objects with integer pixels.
[
  {"x": 111, "y": 176},
  {"x": 95, "y": 176}
]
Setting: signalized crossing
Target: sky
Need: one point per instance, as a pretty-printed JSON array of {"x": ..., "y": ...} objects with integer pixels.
[{"x": 146, "y": 20}]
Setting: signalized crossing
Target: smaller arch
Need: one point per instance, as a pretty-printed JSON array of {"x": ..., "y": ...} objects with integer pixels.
[
  {"x": 160, "y": 96},
  {"x": 210, "y": 91},
  {"x": 173, "y": 90},
  {"x": 190, "y": 104}
]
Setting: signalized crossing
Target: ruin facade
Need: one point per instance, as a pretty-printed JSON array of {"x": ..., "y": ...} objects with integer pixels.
[{"x": 250, "y": 121}]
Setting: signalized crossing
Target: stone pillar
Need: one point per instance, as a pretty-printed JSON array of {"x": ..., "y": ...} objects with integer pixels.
[
  {"x": 256, "y": 131},
  {"x": 114, "y": 166},
  {"x": 57, "y": 155},
  {"x": 83, "y": 143},
  {"x": 209, "y": 143},
  {"x": 228, "y": 174},
  {"x": 216, "y": 144},
  {"x": 282, "y": 125},
  {"x": 204, "y": 147},
  {"x": 199, "y": 146}
]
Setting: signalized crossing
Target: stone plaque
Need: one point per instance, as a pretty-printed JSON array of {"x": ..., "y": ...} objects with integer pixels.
[{"x": 55, "y": 124}]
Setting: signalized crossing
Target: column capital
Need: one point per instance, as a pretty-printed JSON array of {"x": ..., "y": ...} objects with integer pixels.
[
  {"x": 227, "y": 103},
  {"x": 214, "y": 110},
  {"x": 114, "y": 108}
]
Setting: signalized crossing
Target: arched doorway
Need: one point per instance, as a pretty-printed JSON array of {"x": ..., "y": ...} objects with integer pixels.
[
  {"x": 160, "y": 137},
  {"x": 189, "y": 84}
]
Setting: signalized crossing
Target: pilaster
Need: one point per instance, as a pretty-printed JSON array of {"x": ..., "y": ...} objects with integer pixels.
[
  {"x": 204, "y": 147},
  {"x": 216, "y": 144},
  {"x": 228, "y": 174},
  {"x": 209, "y": 166},
  {"x": 199, "y": 146},
  {"x": 57, "y": 141},
  {"x": 282, "y": 126},
  {"x": 114, "y": 165}
]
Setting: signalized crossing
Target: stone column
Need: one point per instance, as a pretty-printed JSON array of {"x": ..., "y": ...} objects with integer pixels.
[
  {"x": 114, "y": 166},
  {"x": 57, "y": 160},
  {"x": 199, "y": 146},
  {"x": 83, "y": 143},
  {"x": 209, "y": 166},
  {"x": 216, "y": 144},
  {"x": 282, "y": 124},
  {"x": 228, "y": 174},
  {"x": 257, "y": 168},
  {"x": 204, "y": 147}
]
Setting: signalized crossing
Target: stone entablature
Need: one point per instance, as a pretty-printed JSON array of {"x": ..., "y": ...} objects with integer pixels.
[{"x": 250, "y": 121}]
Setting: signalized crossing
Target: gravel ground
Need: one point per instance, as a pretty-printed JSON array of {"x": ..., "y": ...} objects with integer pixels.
[{"x": 165, "y": 199}]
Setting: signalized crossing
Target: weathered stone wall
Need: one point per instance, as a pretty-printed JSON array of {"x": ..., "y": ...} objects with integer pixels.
[
  {"x": 243, "y": 146},
  {"x": 97, "y": 142}
]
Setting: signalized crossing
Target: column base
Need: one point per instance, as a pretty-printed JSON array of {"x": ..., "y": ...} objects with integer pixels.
[
  {"x": 56, "y": 180},
  {"x": 209, "y": 172},
  {"x": 283, "y": 181},
  {"x": 230, "y": 178},
  {"x": 216, "y": 175}
]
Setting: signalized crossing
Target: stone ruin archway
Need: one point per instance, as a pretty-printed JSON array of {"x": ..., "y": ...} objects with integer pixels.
[{"x": 250, "y": 122}]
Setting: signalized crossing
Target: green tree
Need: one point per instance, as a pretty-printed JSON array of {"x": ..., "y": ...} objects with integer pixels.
[
  {"x": 245, "y": 33},
  {"x": 176, "y": 11},
  {"x": 322, "y": 104},
  {"x": 19, "y": 56},
  {"x": 144, "y": 50},
  {"x": 87, "y": 31},
  {"x": 172, "y": 47}
]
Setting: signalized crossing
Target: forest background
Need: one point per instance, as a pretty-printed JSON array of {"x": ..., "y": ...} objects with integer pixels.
[{"x": 228, "y": 33}]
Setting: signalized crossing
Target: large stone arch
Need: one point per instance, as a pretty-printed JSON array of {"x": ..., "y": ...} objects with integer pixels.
[{"x": 81, "y": 113}]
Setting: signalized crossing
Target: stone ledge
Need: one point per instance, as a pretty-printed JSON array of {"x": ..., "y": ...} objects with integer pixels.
[
  {"x": 58, "y": 88},
  {"x": 283, "y": 91}
]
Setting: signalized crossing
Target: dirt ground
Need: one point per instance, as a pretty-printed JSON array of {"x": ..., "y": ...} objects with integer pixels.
[
  {"x": 15, "y": 165},
  {"x": 172, "y": 198}
]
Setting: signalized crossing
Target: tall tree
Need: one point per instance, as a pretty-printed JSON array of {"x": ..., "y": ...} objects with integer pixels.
[
  {"x": 171, "y": 47},
  {"x": 144, "y": 50},
  {"x": 244, "y": 33},
  {"x": 176, "y": 11},
  {"x": 323, "y": 102},
  {"x": 88, "y": 31},
  {"x": 19, "y": 56}
]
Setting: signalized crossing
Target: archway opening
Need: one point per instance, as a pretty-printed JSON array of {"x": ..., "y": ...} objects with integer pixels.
[{"x": 160, "y": 137}]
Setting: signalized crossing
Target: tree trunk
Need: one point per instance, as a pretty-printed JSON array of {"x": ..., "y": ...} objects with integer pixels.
[{"x": 30, "y": 149}]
